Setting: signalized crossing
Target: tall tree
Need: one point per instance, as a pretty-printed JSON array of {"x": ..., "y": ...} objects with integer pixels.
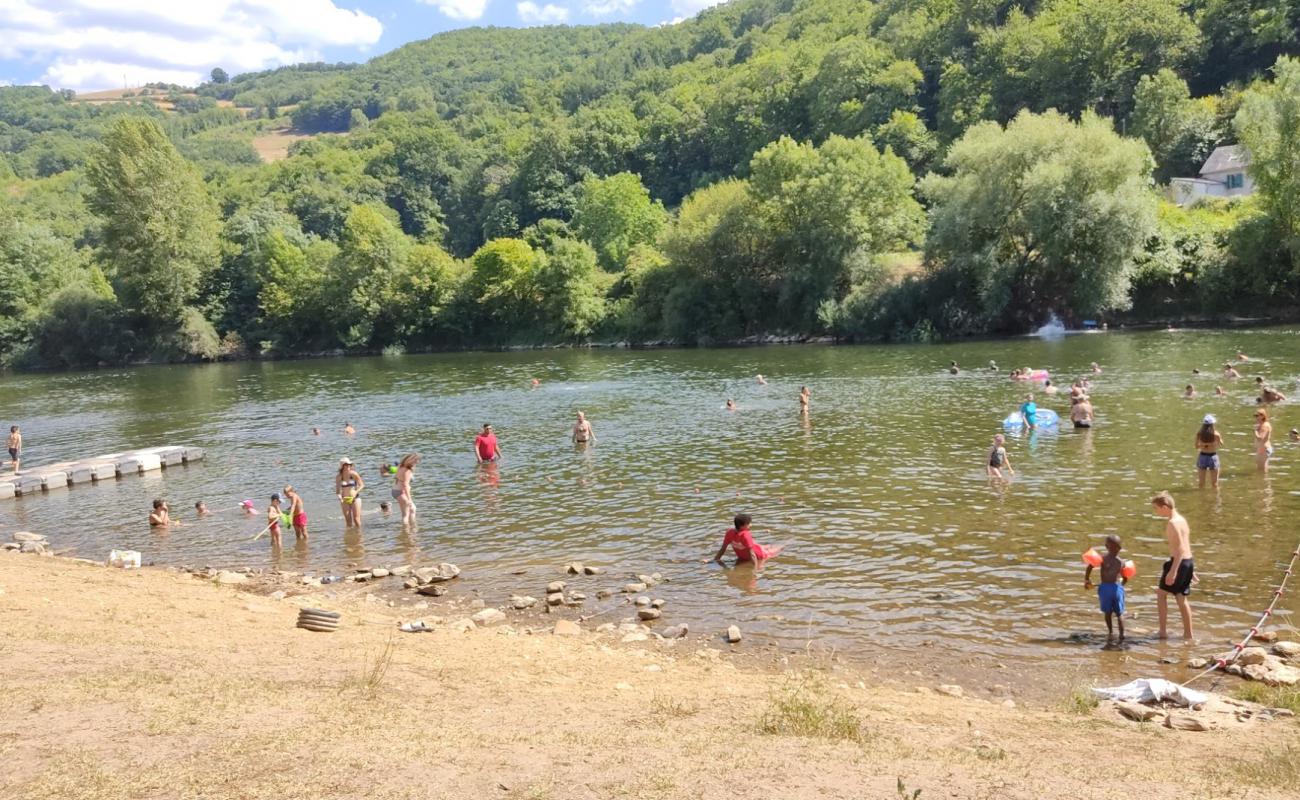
[
  {"x": 1268, "y": 124},
  {"x": 614, "y": 215},
  {"x": 160, "y": 227}
]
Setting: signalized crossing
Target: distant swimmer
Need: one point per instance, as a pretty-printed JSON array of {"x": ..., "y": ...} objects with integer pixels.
[
  {"x": 805, "y": 397},
  {"x": 997, "y": 458},
  {"x": 731, "y": 404},
  {"x": 1218, "y": 392},
  {"x": 297, "y": 513},
  {"x": 1270, "y": 395},
  {"x": 953, "y": 369},
  {"x": 15, "y": 443},
  {"x": 1189, "y": 392},
  {"x": 1048, "y": 388},
  {"x": 315, "y": 431},
  {"x": 1208, "y": 442},
  {"x": 347, "y": 486},
  {"x": 1081, "y": 412},
  {"x": 1195, "y": 371},
  {"x": 348, "y": 430},
  {"x": 1096, "y": 368},
  {"x": 535, "y": 383},
  {"x": 401, "y": 491},
  {"x": 1243, "y": 357},
  {"x": 582, "y": 432},
  {"x": 1263, "y": 439},
  {"x": 201, "y": 509},
  {"x": 485, "y": 445},
  {"x": 741, "y": 541},
  {"x": 993, "y": 366},
  {"x": 161, "y": 516},
  {"x": 385, "y": 507},
  {"x": 1294, "y": 435},
  {"x": 761, "y": 380},
  {"x": 1179, "y": 572},
  {"x": 1029, "y": 410},
  {"x": 1015, "y": 375},
  {"x": 1230, "y": 372}
]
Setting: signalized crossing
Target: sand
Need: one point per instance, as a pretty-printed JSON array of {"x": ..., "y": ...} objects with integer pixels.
[{"x": 154, "y": 684}]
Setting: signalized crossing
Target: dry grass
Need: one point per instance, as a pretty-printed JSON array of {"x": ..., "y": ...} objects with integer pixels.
[
  {"x": 1276, "y": 768},
  {"x": 373, "y": 669},
  {"x": 667, "y": 707},
  {"x": 274, "y": 145},
  {"x": 806, "y": 707},
  {"x": 1080, "y": 701},
  {"x": 1287, "y": 697}
]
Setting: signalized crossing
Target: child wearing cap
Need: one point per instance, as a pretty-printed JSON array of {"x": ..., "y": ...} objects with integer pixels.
[
  {"x": 273, "y": 517},
  {"x": 1208, "y": 442}
]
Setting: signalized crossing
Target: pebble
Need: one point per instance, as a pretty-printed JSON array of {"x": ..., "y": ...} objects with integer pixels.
[
  {"x": 279, "y": 595},
  {"x": 950, "y": 689},
  {"x": 521, "y": 603},
  {"x": 1169, "y": 660},
  {"x": 577, "y": 597},
  {"x": 604, "y": 594},
  {"x": 228, "y": 578},
  {"x": 380, "y": 572},
  {"x": 634, "y": 588},
  {"x": 1287, "y": 649},
  {"x": 402, "y": 571},
  {"x": 1266, "y": 637},
  {"x": 463, "y": 625},
  {"x": 489, "y": 616},
  {"x": 642, "y": 601},
  {"x": 1198, "y": 663},
  {"x": 653, "y": 668},
  {"x": 658, "y": 603},
  {"x": 606, "y": 627},
  {"x": 576, "y": 568},
  {"x": 648, "y": 580},
  {"x": 733, "y": 634},
  {"x": 593, "y": 570},
  {"x": 28, "y": 536},
  {"x": 556, "y": 599},
  {"x": 411, "y": 583},
  {"x": 432, "y": 590},
  {"x": 636, "y": 636},
  {"x": 649, "y": 613},
  {"x": 623, "y": 687},
  {"x": 1136, "y": 711},
  {"x": 1252, "y": 656},
  {"x": 1182, "y": 722},
  {"x": 554, "y": 587},
  {"x": 567, "y": 627},
  {"x": 677, "y": 631}
]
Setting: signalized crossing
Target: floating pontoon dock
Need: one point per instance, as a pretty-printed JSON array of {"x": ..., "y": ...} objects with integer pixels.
[{"x": 34, "y": 480}]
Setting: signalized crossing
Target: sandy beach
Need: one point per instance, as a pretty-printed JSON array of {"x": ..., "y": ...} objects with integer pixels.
[{"x": 155, "y": 684}]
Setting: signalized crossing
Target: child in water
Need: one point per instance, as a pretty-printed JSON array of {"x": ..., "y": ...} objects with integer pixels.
[
  {"x": 201, "y": 509},
  {"x": 273, "y": 517},
  {"x": 1110, "y": 594},
  {"x": 998, "y": 458},
  {"x": 739, "y": 539}
]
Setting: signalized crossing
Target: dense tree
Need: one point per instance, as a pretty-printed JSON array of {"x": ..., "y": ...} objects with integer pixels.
[
  {"x": 219, "y": 76},
  {"x": 160, "y": 227},
  {"x": 1180, "y": 131},
  {"x": 1044, "y": 215},
  {"x": 614, "y": 215},
  {"x": 1269, "y": 126}
]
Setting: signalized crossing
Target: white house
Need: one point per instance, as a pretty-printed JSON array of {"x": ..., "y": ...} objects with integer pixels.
[{"x": 1225, "y": 174}]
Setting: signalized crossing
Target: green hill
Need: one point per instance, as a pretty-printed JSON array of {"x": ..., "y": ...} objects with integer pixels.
[{"x": 514, "y": 185}]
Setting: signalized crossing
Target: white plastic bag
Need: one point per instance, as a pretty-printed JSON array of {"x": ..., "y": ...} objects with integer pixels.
[{"x": 126, "y": 559}]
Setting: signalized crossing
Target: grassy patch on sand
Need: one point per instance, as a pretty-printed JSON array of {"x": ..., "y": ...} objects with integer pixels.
[
  {"x": 1287, "y": 697},
  {"x": 806, "y": 707}
]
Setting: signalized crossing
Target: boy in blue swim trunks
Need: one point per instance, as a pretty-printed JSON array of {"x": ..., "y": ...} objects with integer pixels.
[{"x": 1110, "y": 594}]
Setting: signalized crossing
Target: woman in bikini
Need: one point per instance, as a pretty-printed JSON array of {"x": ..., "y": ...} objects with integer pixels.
[
  {"x": 1263, "y": 439},
  {"x": 1208, "y": 442},
  {"x": 402, "y": 488},
  {"x": 348, "y": 486}
]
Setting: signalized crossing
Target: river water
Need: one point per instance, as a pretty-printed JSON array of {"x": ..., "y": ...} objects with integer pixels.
[{"x": 897, "y": 542}]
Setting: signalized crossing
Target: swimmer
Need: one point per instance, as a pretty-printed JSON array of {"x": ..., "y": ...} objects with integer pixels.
[
  {"x": 1208, "y": 442},
  {"x": 997, "y": 458},
  {"x": 993, "y": 366},
  {"x": 739, "y": 539},
  {"x": 201, "y": 509},
  {"x": 347, "y": 486},
  {"x": 1294, "y": 435},
  {"x": 485, "y": 445},
  {"x": 1218, "y": 392},
  {"x": 401, "y": 490},
  {"x": 247, "y": 508},
  {"x": 582, "y": 432},
  {"x": 805, "y": 397},
  {"x": 385, "y": 507},
  {"x": 315, "y": 431},
  {"x": 1189, "y": 392},
  {"x": 161, "y": 516},
  {"x": 273, "y": 515},
  {"x": 348, "y": 430},
  {"x": 1081, "y": 412},
  {"x": 1096, "y": 368},
  {"x": 1230, "y": 372},
  {"x": 731, "y": 404},
  {"x": 1029, "y": 410},
  {"x": 1110, "y": 594},
  {"x": 15, "y": 444},
  {"x": 387, "y": 470},
  {"x": 1179, "y": 572},
  {"x": 953, "y": 369},
  {"x": 1271, "y": 395},
  {"x": 1242, "y": 356},
  {"x": 1048, "y": 388},
  {"x": 297, "y": 513},
  {"x": 761, "y": 380},
  {"x": 1195, "y": 371},
  {"x": 1263, "y": 439},
  {"x": 1015, "y": 375},
  {"x": 535, "y": 383}
]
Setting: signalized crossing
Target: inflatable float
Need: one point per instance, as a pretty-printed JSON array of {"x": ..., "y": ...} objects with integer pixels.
[{"x": 1047, "y": 418}]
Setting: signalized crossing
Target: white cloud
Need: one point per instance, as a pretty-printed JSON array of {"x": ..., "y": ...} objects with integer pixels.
[
  {"x": 89, "y": 44},
  {"x": 459, "y": 9},
  {"x": 601, "y": 8},
  {"x": 689, "y": 8},
  {"x": 531, "y": 12}
]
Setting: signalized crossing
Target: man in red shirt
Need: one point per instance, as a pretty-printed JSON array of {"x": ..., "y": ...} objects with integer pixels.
[{"x": 485, "y": 445}]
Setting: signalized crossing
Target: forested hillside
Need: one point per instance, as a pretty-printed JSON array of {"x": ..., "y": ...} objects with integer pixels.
[{"x": 904, "y": 170}]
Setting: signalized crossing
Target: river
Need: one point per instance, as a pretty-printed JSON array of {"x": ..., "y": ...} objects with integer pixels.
[{"x": 897, "y": 542}]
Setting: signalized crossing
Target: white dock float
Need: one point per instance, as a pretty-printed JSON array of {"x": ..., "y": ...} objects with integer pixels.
[{"x": 99, "y": 468}]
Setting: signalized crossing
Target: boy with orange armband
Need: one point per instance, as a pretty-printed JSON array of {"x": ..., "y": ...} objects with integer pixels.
[{"x": 1110, "y": 594}]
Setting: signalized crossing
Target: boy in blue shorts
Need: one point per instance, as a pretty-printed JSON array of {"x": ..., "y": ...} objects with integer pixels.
[{"x": 1110, "y": 593}]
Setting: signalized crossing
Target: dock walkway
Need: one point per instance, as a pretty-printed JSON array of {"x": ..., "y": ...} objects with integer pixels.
[{"x": 34, "y": 480}]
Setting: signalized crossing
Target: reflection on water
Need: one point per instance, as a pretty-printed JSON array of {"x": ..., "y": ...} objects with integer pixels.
[{"x": 895, "y": 536}]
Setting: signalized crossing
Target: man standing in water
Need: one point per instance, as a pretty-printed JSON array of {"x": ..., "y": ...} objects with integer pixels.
[
  {"x": 15, "y": 447},
  {"x": 1081, "y": 412},
  {"x": 582, "y": 432},
  {"x": 804, "y": 397},
  {"x": 1178, "y": 572},
  {"x": 485, "y": 446}
]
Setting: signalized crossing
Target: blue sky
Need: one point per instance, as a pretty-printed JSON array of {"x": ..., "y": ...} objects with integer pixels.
[{"x": 104, "y": 44}]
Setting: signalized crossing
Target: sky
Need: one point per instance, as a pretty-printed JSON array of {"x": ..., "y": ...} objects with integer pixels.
[{"x": 106, "y": 44}]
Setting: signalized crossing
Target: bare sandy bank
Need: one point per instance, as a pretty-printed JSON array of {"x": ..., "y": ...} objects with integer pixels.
[{"x": 153, "y": 684}]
